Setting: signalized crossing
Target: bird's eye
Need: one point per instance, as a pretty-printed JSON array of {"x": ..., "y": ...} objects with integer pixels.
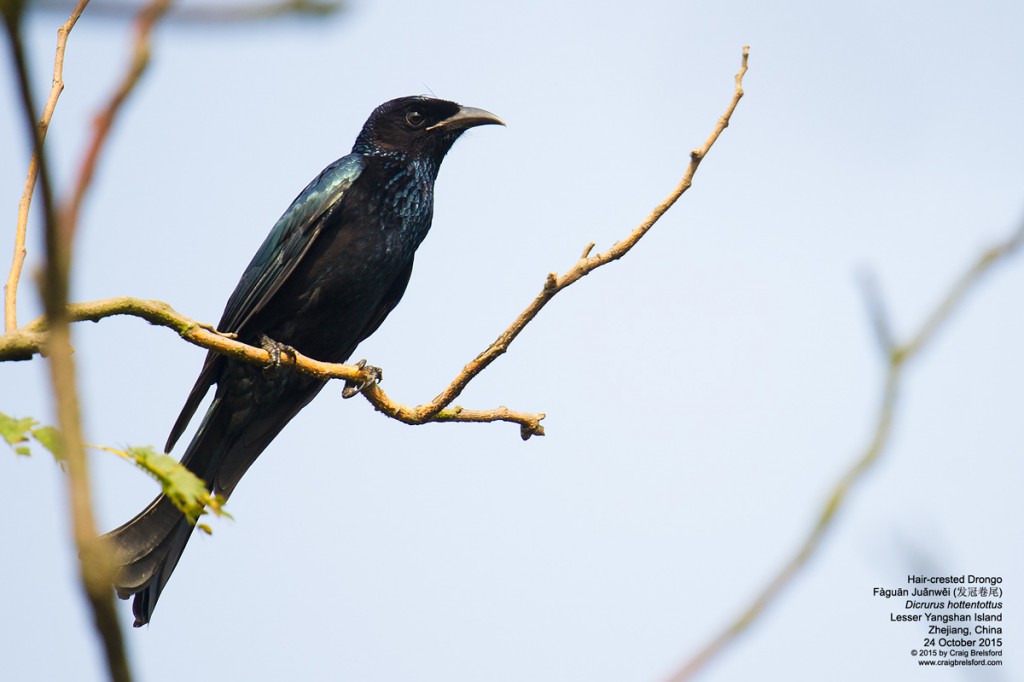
[{"x": 414, "y": 118}]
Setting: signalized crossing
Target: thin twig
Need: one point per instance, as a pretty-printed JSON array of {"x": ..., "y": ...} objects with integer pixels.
[
  {"x": 96, "y": 569},
  {"x": 312, "y": 9},
  {"x": 214, "y": 13},
  {"x": 587, "y": 263},
  {"x": 896, "y": 360},
  {"x": 11, "y": 287},
  {"x": 104, "y": 121},
  {"x": 956, "y": 294}
]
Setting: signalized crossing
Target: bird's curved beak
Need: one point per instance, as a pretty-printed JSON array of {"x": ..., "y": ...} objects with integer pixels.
[{"x": 467, "y": 117}]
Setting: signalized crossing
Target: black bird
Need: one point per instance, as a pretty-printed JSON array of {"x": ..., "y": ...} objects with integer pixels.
[{"x": 331, "y": 269}]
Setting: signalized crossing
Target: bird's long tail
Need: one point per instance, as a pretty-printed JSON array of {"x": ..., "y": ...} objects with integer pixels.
[
  {"x": 148, "y": 547},
  {"x": 235, "y": 430}
]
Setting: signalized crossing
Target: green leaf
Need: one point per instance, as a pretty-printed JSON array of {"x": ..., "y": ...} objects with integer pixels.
[
  {"x": 182, "y": 487},
  {"x": 49, "y": 438},
  {"x": 14, "y": 430}
]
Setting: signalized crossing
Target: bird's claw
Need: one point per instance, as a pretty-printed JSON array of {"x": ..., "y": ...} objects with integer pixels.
[
  {"x": 274, "y": 350},
  {"x": 374, "y": 375}
]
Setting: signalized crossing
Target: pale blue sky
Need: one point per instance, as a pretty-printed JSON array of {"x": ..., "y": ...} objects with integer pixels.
[{"x": 702, "y": 394}]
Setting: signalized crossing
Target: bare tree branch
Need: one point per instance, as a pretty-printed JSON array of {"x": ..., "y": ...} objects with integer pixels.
[
  {"x": 587, "y": 263},
  {"x": 11, "y": 287},
  {"x": 896, "y": 357},
  {"x": 31, "y": 339}
]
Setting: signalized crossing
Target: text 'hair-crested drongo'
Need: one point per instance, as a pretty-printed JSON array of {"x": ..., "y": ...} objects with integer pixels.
[{"x": 331, "y": 269}]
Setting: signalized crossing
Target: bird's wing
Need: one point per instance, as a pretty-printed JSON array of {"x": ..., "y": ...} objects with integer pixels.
[
  {"x": 288, "y": 241},
  {"x": 283, "y": 249}
]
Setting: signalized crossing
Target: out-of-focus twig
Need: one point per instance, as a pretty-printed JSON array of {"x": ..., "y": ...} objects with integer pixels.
[
  {"x": 147, "y": 18},
  {"x": 11, "y": 287},
  {"x": 896, "y": 357},
  {"x": 213, "y": 13},
  {"x": 96, "y": 569},
  {"x": 59, "y": 228}
]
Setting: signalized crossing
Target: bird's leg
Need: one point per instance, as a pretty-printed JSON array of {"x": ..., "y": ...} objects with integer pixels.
[
  {"x": 352, "y": 388},
  {"x": 274, "y": 349}
]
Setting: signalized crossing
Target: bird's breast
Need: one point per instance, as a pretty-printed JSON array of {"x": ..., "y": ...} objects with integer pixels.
[{"x": 343, "y": 281}]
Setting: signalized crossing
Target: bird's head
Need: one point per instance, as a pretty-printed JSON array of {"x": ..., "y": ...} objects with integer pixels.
[{"x": 418, "y": 127}]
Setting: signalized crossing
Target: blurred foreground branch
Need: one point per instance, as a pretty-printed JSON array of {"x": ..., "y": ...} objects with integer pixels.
[
  {"x": 896, "y": 357},
  {"x": 97, "y": 570},
  {"x": 212, "y": 13},
  {"x": 145, "y": 22},
  {"x": 57, "y": 86}
]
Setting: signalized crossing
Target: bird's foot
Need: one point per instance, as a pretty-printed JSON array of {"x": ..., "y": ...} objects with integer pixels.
[
  {"x": 274, "y": 349},
  {"x": 374, "y": 375}
]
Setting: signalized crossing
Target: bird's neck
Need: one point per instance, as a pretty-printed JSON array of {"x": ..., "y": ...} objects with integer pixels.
[
  {"x": 401, "y": 195},
  {"x": 397, "y": 161}
]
